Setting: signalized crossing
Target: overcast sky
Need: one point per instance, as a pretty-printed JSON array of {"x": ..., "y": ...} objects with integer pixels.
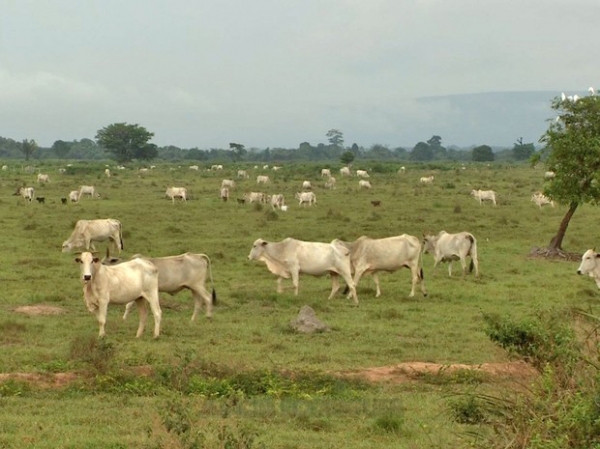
[{"x": 275, "y": 73}]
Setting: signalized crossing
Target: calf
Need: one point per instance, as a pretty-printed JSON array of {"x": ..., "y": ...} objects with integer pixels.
[
  {"x": 41, "y": 199},
  {"x": 376, "y": 203}
]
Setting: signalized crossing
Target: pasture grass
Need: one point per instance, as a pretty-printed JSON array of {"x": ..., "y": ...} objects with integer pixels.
[{"x": 193, "y": 363}]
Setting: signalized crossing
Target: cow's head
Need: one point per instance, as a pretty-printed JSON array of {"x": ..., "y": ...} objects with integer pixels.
[
  {"x": 258, "y": 248},
  {"x": 589, "y": 262},
  {"x": 87, "y": 261},
  {"x": 429, "y": 242}
]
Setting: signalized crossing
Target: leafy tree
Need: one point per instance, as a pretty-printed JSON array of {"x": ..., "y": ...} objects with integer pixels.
[
  {"x": 573, "y": 149},
  {"x": 126, "y": 142},
  {"x": 28, "y": 148},
  {"x": 421, "y": 152},
  {"x": 335, "y": 137},
  {"x": 435, "y": 143},
  {"x": 483, "y": 153},
  {"x": 347, "y": 157},
  {"x": 523, "y": 151},
  {"x": 379, "y": 151},
  {"x": 61, "y": 148},
  {"x": 238, "y": 151},
  {"x": 146, "y": 153}
]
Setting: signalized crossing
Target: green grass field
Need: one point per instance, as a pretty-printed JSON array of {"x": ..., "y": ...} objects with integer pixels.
[{"x": 244, "y": 378}]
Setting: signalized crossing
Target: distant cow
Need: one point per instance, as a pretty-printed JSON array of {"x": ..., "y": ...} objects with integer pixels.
[
  {"x": 185, "y": 271},
  {"x": 194, "y": 167},
  {"x": 306, "y": 185},
  {"x": 362, "y": 173},
  {"x": 224, "y": 194},
  {"x": 376, "y": 203},
  {"x": 134, "y": 280},
  {"x": 402, "y": 170},
  {"x": 449, "y": 247},
  {"x": 262, "y": 179},
  {"x": 291, "y": 257},
  {"x": 330, "y": 184},
  {"x": 176, "y": 192},
  {"x": 387, "y": 254},
  {"x": 541, "y": 200},
  {"x": 216, "y": 167},
  {"x": 242, "y": 174},
  {"x": 426, "y": 180},
  {"x": 364, "y": 184},
  {"x": 27, "y": 193},
  {"x": 306, "y": 198},
  {"x": 41, "y": 199},
  {"x": 43, "y": 178},
  {"x": 255, "y": 197},
  {"x": 63, "y": 200},
  {"x": 88, "y": 231},
  {"x": 345, "y": 171},
  {"x": 228, "y": 183},
  {"x": 590, "y": 264},
  {"x": 549, "y": 175},
  {"x": 482, "y": 195},
  {"x": 87, "y": 190},
  {"x": 74, "y": 195},
  {"x": 325, "y": 172},
  {"x": 107, "y": 172},
  {"x": 277, "y": 201}
]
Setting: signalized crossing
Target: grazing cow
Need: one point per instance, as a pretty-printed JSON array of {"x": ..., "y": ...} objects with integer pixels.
[
  {"x": 549, "y": 175},
  {"x": 345, "y": 171},
  {"x": 275, "y": 168},
  {"x": 449, "y": 247},
  {"x": 63, "y": 200},
  {"x": 402, "y": 169},
  {"x": 255, "y": 197},
  {"x": 330, "y": 184},
  {"x": 224, "y": 193},
  {"x": 42, "y": 178},
  {"x": 482, "y": 195},
  {"x": 241, "y": 200},
  {"x": 87, "y": 190},
  {"x": 194, "y": 167},
  {"x": 216, "y": 167},
  {"x": 306, "y": 185},
  {"x": 541, "y": 200},
  {"x": 107, "y": 172},
  {"x": 262, "y": 179},
  {"x": 291, "y": 257},
  {"x": 306, "y": 198},
  {"x": 88, "y": 231},
  {"x": 325, "y": 172},
  {"x": 27, "y": 193},
  {"x": 177, "y": 273},
  {"x": 41, "y": 199},
  {"x": 134, "y": 280},
  {"x": 388, "y": 254},
  {"x": 362, "y": 173},
  {"x": 143, "y": 171},
  {"x": 426, "y": 180},
  {"x": 376, "y": 203},
  {"x": 265, "y": 167},
  {"x": 364, "y": 184},
  {"x": 228, "y": 183},
  {"x": 74, "y": 196},
  {"x": 242, "y": 174},
  {"x": 176, "y": 192},
  {"x": 62, "y": 171},
  {"x": 590, "y": 264},
  {"x": 5, "y": 167},
  {"x": 277, "y": 201}
]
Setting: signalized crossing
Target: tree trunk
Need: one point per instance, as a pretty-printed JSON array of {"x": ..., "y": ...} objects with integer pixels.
[{"x": 556, "y": 242}]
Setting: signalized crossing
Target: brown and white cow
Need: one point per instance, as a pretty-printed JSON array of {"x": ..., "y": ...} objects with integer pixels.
[
  {"x": 291, "y": 257},
  {"x": 450, "y": 247}
]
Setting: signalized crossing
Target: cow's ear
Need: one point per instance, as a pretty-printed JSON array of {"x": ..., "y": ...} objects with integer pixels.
[
  {"x": 598, "y": 255},
  {"x": 263, "y": 243},
  {"x": 78, "y": 260},
  {"x": 96, "y": 260}
]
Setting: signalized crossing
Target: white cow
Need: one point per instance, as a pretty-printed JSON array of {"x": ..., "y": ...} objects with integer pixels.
[
  {"x": 541, "y": 200},
  {"x": 388, "y": 254},
  {"x": 345, "y": 171},
  {"x": 449, "y": 247},
  {"x": 5, "y": 167},
  {"x": 590, "y": 264},
  {"x": 362, "y": 173},
  {"x": 364, "y": 184},
  {"x": 62, "y": 170},
  {"x": 217, "y": 167},
  {"x": 549, "y": 175},
  {"x": 306, "y": 185},
  {"x": 194, "y": 167},
  {"x": 176, "y": 192},
  {"x": 325, "y": 172},
  {"x": 27, "y": 193},
  {"x": 135, "y": 280},
  {"x": 88, "y": 231},
  {"x": 277, "y": 201},
  {"x": 402, "y": 170},
  {"x": 228, "y": 183},
  {"x": 74, "y": 196},
  {"x": 275, "y": 168},
  {"x": 426, "y": 180},
  {"x": 242, "y": 174},
  {"x": 42, "y": 178},
  {"x": 306, "y": 198},
  {"x": 107, "y": 172},
  {"x": 87, "y": 190},
  {"x": 482, "y": 195},
  {"x": 262, "y": 179},
  {"x": 224, "y": 193},
  {"x": 177, "y": 273},
  {"x": 330, "y": 184},
  {"x": 291, "y": 257},
  {"x": 255, "y": 197}
]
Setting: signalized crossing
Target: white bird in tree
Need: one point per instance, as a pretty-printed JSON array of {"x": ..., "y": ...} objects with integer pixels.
[
  {"x": 575, "y": 98},
  {"x": 563, "y": 97},
  {"x": 592, "y": 91}
]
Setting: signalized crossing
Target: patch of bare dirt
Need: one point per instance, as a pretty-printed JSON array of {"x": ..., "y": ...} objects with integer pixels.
[
  {"x": 413, "y": 371},
  {"x": 56, "y": 380},
  {"x": 40, "y": 309},
  {"x": 551, "y": 253}
]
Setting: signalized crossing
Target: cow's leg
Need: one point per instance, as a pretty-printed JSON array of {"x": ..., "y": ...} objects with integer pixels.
[
  {"x": 351, "y": 285},
  {"x": 463, "y": 264},
  {"x": 475, "y": 263},
  {"x": 279, "y": 286},
  {"x": 101, "y": 316},
  {"x": 335, "y": 284},
  {"x": 450, "y": 268},
  {"x": 128, "y": 308},
  {"x": 378, "y": 290},
  {"x": 199, "y": 293},
  {"x": 152, "y": 299},
  {"x": 358, "y": 272},
  {"x": 295, "y": 280},
  {"x": 143, "y": 313}
]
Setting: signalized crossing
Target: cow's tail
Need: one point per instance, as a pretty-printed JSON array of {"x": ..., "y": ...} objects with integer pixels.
[
  {"x": 121, "y": 235},
  {"x": 212, "y": 282},
  {"x": 472, "y": 252}
]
